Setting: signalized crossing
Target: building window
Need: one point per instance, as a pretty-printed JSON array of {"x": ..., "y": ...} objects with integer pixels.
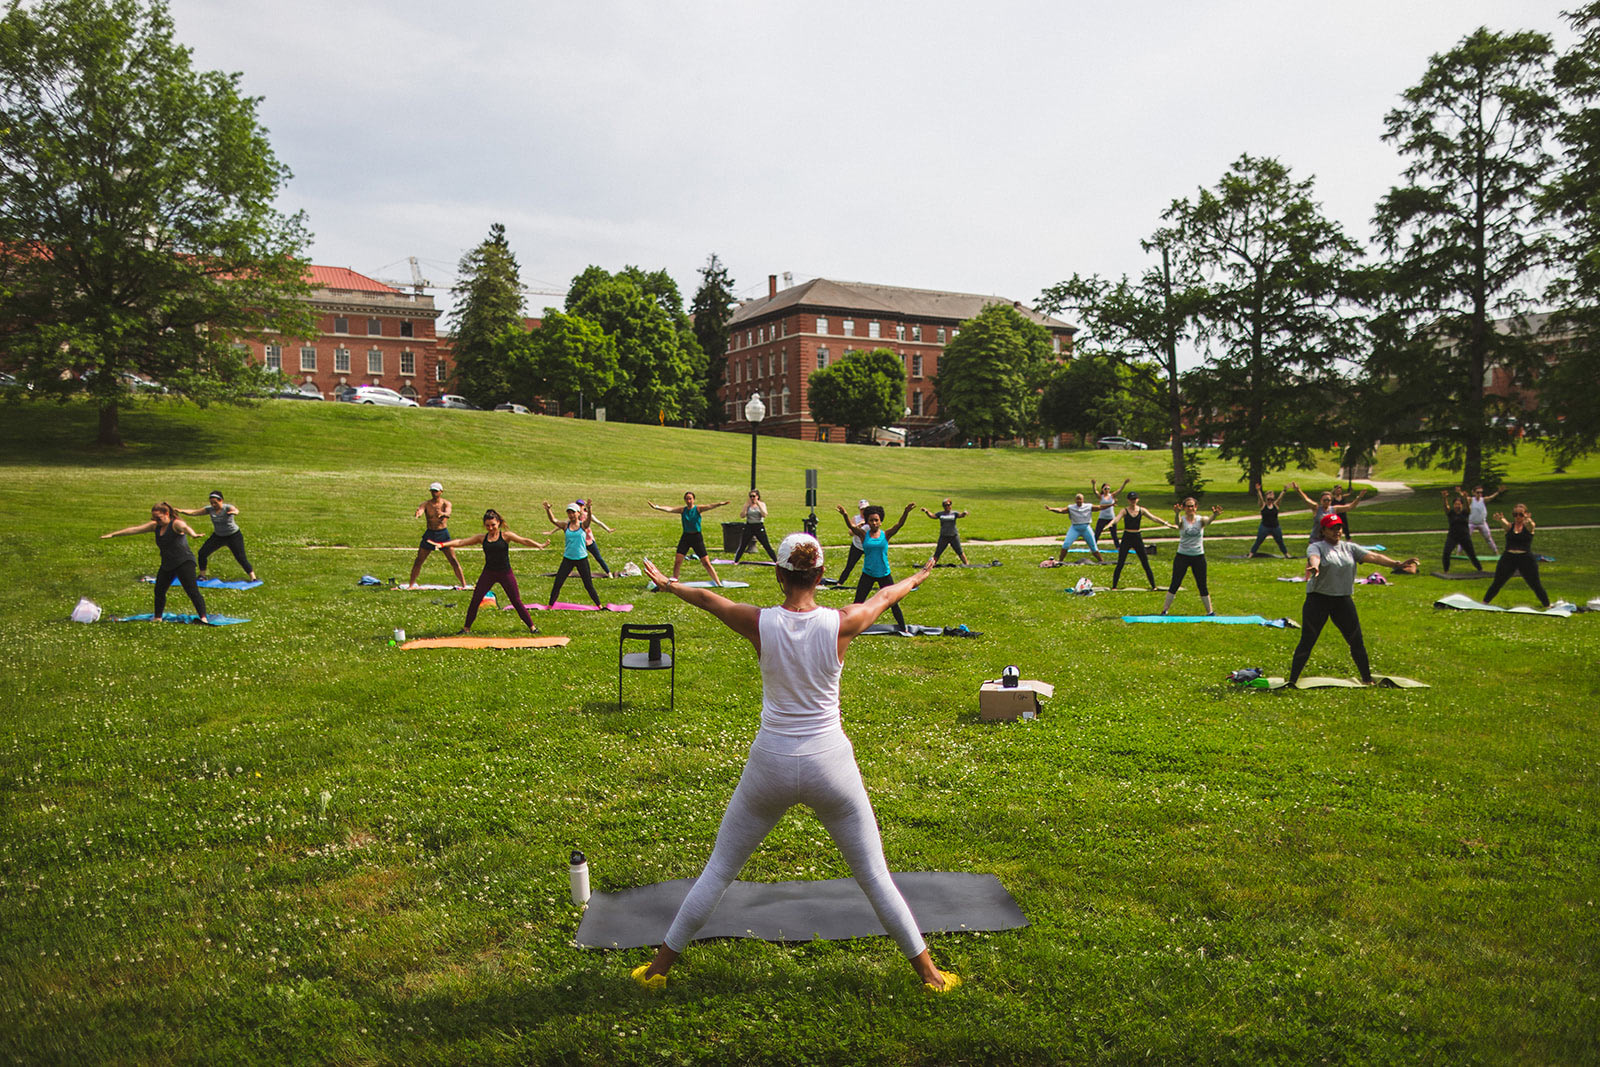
[
  {"x": 822, "y": 357},
  {"x": 761, "y": 334},
  {"x": 822, "y": 325},
  {"x": 274, "y": 357},
  {"x": 407, "y": 390},
  {"x": 783, "y": 401},
  {"x": 408, "y": 328},
  {"x": 785, "y": 325},
  {"x": 374, "y": 361},
  {"x": 848, "y": 327},
  {"x": 916, "y": 364},
  {"x": 341, "y": 361},
  {"x": 341, "y": 324},
  {"x": 783, "y": 358},
  {"x": 308, "y": 359},
  {"x": 408, "y": 363},
  {"x": 916, "y": 401},
  {"x": 899, "y": 331},
  {"x": 747, "y": 339},
  {"x": 916, "y": 333},
  {"x": 940, "y": 337},
  {"x": 374, "y": 327},
  {"x": 872, "y": 329},
  {"x": 822, "y": 434},
  {"x": 439, "y": 372},
  {"x": 1055, "y": 343}
]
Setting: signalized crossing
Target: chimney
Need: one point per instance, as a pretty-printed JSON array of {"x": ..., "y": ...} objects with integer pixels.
[{"x": 772, "y": 285}]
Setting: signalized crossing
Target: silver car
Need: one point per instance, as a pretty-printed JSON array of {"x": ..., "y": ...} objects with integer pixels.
[
  {"x": 1121, "y": 444},
  {"x": 377, "y": 394}
]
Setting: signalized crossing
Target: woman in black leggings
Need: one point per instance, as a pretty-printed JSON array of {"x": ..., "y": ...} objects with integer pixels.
[
  {"x": 754, "y": 529},
  {"x": 1131, "y": 517},
  {"x": 1330, "y": 594},
  {"x": 225, "y": 532},
  {"x": 1518, "y": 558},
  {"x": 1268, "y": 526},
  {"x": 177, "y": 561},
  {"x": 1458, "y": 532}
]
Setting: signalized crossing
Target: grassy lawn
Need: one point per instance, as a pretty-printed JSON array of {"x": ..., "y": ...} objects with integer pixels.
[{"x": 289, "y": 841}]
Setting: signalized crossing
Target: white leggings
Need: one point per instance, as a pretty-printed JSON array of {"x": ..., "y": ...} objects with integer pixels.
[
  {"x": 829, "y": 783},
  {"x": 1483, "y": 528}
]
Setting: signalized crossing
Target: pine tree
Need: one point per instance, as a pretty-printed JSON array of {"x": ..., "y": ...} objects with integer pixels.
[{"x": 488, "y": 297}]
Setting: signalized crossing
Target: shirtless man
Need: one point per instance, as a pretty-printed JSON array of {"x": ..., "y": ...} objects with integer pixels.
[{"x": 436, "y": 511}]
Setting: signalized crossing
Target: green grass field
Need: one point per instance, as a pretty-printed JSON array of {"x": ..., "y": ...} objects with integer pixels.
[{"x": 288, "y": 841}]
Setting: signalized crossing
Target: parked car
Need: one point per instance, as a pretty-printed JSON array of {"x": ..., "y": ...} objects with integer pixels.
[
  {"x": 305, "y": 391},
  {"x": 518, "y": 408},
  {"x": 377, "y": 394},
  {"x": 893, "y": 436},
  {"x": 1121, "y": 444},
  {"x": 450, "y": 400}
]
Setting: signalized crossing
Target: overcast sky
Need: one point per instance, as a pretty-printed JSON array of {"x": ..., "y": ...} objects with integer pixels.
[{"x": 988, "y": 148}]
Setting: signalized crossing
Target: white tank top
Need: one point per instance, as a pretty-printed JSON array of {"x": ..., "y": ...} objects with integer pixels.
[
  {"x": 800, "y": 671},
  {"x": 1477, "y": 510}
]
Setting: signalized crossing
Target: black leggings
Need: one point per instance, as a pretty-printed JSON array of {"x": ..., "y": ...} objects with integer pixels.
[
  {"x": 1102, "y": 524},
  {"x": 1263, "y": 531},
  {"x": 866, "y": 582},
  {"x": 948, "y": 541},
  {"x": 235, "y": 544},
  {"x": 849, "y": 564},
  {"x": 1133, "y": 541},
  {"x": 184, "y": 572},
  {"x": 566, "y": 568},
  {"x": 1521, "y": 563},
  {"x": 753, "y": 532},
  {"x": 594, "y": 550},
  {"x": 1453, "y": 538},
  {"x": 1318, "y": 609},
  {"x": 1182, "y": 562}
]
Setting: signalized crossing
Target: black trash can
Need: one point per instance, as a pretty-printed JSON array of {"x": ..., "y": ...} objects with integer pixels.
[{"x": 731, "y": 533}]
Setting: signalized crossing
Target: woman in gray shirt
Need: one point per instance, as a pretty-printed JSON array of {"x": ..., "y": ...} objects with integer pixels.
[
  {"x": 1330, "y": 594},
  {"x": 1191, "y": 554},
  {"x": 225, "y": 532}
]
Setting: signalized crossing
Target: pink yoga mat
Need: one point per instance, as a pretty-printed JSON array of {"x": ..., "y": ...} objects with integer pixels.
[{"x": 562, "y": 605}]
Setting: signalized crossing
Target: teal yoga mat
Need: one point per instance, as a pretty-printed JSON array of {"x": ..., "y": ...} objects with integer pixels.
[
  {"x": 1225, "y": 620},
  {"x": 213, "y": 620},
  {"x": 704, "y": 584},
  {"x": 212, "y": 583}
]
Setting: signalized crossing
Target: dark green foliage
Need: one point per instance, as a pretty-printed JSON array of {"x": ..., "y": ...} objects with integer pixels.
[
  {"x": 138, "y": 226},
  {"x": 660, "y": 367},
  {"x": 711, "y": 309},
  {"x": 1272, "y": 272},
  {"x": 1460, "y": 238},
  {"x": 1097, "y": 394},
  {"x": 860, "y": 391},
  {"x": 489, "y": 303},
  {"x": 990, "y": 374},
  {"x": 565, "y": 359}
]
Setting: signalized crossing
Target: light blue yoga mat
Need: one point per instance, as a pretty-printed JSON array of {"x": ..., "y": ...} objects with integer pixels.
[
  {"x": 214, "y": 620},
  {"x": 1226, "y": 620},
  {"x": 213, "y": 583},
  {"x": 704, "y": 584}
]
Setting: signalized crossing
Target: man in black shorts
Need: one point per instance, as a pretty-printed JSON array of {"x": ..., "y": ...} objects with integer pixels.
[{"x": 436, "y": 512}]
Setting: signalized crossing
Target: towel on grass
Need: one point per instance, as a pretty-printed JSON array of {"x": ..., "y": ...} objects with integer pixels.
[
  {"x": 703, "y": 584},
  {"x": 476, "y": 641},
  {"x": 1381, "y": 681}
]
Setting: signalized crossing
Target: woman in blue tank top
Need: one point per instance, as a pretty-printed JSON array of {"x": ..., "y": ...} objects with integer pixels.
[
  {"x": 574, "y": 554},
  {"x": 692, "y": 539},
  {"x": 875, "y": 554}
]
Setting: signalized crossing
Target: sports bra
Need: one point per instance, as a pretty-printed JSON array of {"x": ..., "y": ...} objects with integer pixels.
[
  {"x": 497, "y": 553},
  {"x": 1130, "y": 523},
  {"x": 1519, "y": 540},
  {"x": 1269, "y": 515}
]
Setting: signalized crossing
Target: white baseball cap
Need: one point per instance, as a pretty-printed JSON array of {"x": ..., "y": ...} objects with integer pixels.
[
  {"x": 787, "y": 546},
  {"x": 861, "y": 503},
  {"x": 435, "y": 488},
  {"x": 574, "y": 507}
]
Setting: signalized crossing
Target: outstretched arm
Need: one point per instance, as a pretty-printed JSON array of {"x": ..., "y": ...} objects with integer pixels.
[
  {"x": 143, "y": 527},
  {"x": 896, "y": 527},
  {"x": 1153, "y": 517},
  {"x": 855, "y": 531},
  {"x": 1207, "y": 520},
  {"x": 928, "y": 513},
  {"x": 550, "y": 514},
  {"x": 1379, "y": 557},
  {"x": 1058, "y": 511},
  {"x": 458, "y": 542},
  {"x": 1296, "y": 487},
  {"x": 190, "y": 511},
  {"x": 742, "y": 619},
  {"x": 527, "y": 542},
  {"x": 670, "y": 511},
  {"x": 712, "y": 507},
  {"x": 857, "y": 617},
  {"x": 1494, "y": 494}
]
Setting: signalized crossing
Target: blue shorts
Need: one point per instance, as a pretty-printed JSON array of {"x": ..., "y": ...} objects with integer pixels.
[
  {"x": 436, "y": 536},
  {"x": 1079, "y": 529}
]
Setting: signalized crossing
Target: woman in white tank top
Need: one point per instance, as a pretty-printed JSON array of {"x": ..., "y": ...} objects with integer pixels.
[{"x": 801, "y": 754}]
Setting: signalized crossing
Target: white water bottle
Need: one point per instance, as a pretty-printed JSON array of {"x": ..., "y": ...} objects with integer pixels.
[{"x": 578, "y": 876}]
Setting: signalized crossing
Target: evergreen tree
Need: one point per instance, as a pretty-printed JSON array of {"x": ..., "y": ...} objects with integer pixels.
[
  {"x": 712, "y": 308},
  {"x": 991, "y": 373},
  {"x": 488, "y": 296}
]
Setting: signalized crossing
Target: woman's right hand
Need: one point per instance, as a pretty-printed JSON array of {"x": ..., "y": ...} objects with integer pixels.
[{"x": 654, "y": 574}]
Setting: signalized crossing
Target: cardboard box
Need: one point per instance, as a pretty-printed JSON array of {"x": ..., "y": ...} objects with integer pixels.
[{"x": 998, "y": 704}]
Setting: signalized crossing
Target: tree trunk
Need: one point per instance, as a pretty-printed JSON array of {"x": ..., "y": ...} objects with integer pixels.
[
  {"x": 110, "y": 430},
  {"x": 1180, "y": 477}
]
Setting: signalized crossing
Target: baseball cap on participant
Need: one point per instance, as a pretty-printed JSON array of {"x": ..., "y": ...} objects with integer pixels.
[
  {"x": 575, "y": 507},
  {"x": 1332, "y": 520},
  {"x": 787, "y": 546},
  {"x": 435, "y": 487},
  {"x": 861, "y": 503}
]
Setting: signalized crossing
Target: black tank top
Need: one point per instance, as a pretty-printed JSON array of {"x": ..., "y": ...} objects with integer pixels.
[
  {"x": 174, "y": 546},
  {"x": 1519, "y": 540},
  {"x": 1130, "y": 523},
  {"x": 1269, "y": 515},
  {"x": 497, "y": 554},
  {"x": 1457, "y": 521}
]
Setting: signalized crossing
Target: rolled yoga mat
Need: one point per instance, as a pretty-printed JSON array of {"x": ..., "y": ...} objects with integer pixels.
[
  {"x": 474, "y": 641},
  {"x": 1226, "y": 620},
  {"x": 1462, "y": 602},
  {"x": 834, "y": 910},
  {"x": 212, "y": 583},
  {"x": 211, "y": 620}
]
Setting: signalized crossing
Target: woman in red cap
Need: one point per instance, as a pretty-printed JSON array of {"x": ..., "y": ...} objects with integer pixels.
[{"x": 1330, "y": 594}]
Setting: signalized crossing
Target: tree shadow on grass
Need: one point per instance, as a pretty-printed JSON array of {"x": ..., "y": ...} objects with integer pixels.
[{"x": 47, "y": 433}]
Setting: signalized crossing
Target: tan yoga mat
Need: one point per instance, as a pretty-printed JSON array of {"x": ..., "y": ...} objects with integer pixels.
[{"x": 473, "y": 641}]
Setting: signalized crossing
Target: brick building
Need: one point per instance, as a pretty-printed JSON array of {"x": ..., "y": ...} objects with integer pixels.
[
  {"x": 368, "y": 333},
  {"x": 774, "y": 344}
]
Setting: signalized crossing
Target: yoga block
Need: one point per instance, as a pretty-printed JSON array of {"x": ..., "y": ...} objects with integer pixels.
[{"x": 999, "y": 704}]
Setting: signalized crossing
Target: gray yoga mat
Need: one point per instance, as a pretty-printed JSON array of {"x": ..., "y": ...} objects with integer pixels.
[
  {"x": 1385, "y": 681},
  {"x": 1462, "y": 576},
  {"x": 833, "y": 910}
]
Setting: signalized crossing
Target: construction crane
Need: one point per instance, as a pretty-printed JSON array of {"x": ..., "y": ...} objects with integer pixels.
[{"x": 420, "y": 285}]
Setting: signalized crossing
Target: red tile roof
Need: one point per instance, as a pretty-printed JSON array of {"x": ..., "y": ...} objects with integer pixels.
[{"x": 345, "y": 278}]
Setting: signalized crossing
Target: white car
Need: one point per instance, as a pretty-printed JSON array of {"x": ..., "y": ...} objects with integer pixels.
[
  {"x": 1121, "y": 444},
  {"x": 517, "y": 408},
  {"x": 377, "y": 394}
]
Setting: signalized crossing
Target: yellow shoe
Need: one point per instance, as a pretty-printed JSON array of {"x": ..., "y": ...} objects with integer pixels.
[
  {"x": 952, "y": 982},
  {"x": 654, "y": 982}
]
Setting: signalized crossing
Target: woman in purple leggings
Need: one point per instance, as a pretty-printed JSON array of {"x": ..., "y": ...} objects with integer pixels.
[{"x": 496, "y": 541}]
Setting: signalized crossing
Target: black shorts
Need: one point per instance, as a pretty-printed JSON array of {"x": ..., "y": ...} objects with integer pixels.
[
  {"x": 438, "y": 537},
  {"x": 693, "y": 542}
]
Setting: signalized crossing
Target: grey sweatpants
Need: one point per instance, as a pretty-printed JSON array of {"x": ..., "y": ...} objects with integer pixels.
[{"x": 829, "y": 783}]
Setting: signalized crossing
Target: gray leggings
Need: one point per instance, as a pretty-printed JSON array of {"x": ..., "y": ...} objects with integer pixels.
[{"x": 829, "y": 783}]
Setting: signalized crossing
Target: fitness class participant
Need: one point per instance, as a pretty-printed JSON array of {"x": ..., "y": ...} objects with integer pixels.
[
  {"x": 574, "y": 553},
  {"x": 875, "y": 554},
  {"x": 588, "y": 518},
  {"x": 177, "y": 561},
  {"x": 1457, "y": 532},
  {"x": 1518, "y": 558},
  {"x": 224, "y": 532},
  {"x": 1337, "y": 494},
  {"x": 1108, "y": 509},
  {"x": 1268, "y": 526},
  {"x": 949, "y": 534},
  {"x": 1080, "y": 514},
  {"x": 854, "y": 556},
  {"x": 1478, "y": 514},
  {"x": 496, "y": 541},
  {"x": 1321, "y": 507},
  {"x": 691, "y": 538},
  {"x": 436, "y": 512},
  {"x": 1191, "y": 554},
  {"x": 1330, "y": 594},
  {"x": 801, "y": 754},
  {"x": 755, "y": 526},
  {"x": 1131, "y": 517}
]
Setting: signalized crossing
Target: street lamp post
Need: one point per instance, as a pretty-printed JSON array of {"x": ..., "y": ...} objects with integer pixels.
[{"x": 754, "y": 412}]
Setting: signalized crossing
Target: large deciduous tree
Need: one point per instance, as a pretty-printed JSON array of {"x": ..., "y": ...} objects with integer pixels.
[
  {"x": 488, "y": 294},
  {"x": 991, "y": 372},
  {"x": 1098, "y": 393},
  {"x": 1273, "y": 273},
  {"x": 567, "y": 358},
  {"x": 660, "y": 367},
  {"x": 138, "y": 231},
  {"x": 1460, "y": 237},
  {"x": 711, "y": 309},
  {"x": 860, "y": 391}
]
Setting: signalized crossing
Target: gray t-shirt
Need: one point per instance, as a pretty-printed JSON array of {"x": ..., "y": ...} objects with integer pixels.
[
  {"x": 1192, "y": 536},
  {"x": 947, "y": 523},
  {"x": 222, "y": 523},
  {"x": 1337, "y": 574},
  {"x": 1080, "y": 514}
]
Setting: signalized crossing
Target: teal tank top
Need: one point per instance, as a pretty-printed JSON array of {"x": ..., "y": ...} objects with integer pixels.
[
  {"x": 576, "y": 546},
  {"x": 691, "y": 520},
  {"x": 875, "y": 555}
]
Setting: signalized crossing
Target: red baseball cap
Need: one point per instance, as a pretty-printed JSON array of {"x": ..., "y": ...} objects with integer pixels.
[{"x": 1332, "y": 520}]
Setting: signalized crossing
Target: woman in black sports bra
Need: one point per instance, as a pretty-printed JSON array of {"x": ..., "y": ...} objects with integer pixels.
[
  {"x": 1518, "y": 558},
  {"x": 1131, "y": 516},
  {"x": 177, "y": 561},
  {"x": 496, "y": 541},
  {"x": 1269, "y": 526}
]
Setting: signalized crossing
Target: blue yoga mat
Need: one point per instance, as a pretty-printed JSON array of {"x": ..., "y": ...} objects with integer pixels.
[
  {"x": 1226, "y": 620},
  {"x": 214, "y": 620},
  {"x": 213, "y": 583}
]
